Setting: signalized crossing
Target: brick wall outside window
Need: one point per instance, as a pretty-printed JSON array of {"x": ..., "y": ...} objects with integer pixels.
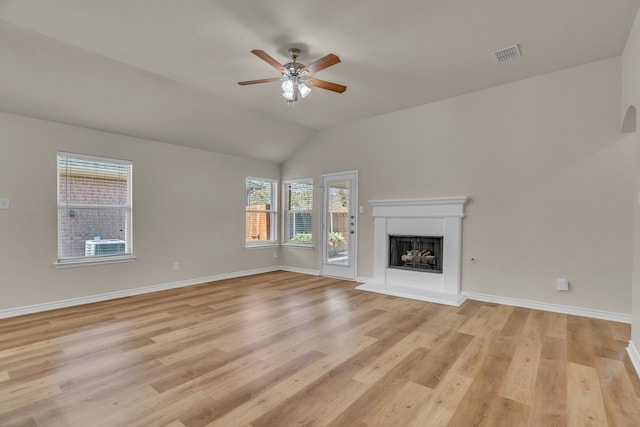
[{"x": 76, "y": 224}]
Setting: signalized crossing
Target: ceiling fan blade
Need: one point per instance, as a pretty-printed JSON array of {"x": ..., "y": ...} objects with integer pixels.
[
  {"x": 268, "y": 59},
  {"x": 321, "y": 64},
  {"x": 335, "y": 87},
  {"x": 253, "y": 82}
]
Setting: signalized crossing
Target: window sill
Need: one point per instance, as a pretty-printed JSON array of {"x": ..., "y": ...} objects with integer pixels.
[
  {"x": 297, "y": 245},
  {"x": 261, "y": 245},
  {"x": 81, "y": 262}
]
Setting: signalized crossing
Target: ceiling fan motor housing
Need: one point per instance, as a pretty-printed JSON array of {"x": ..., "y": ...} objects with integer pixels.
[{"x": 293, "y": 68}]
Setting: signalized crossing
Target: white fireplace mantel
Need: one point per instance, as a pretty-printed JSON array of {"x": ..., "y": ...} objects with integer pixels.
[{"x": 438, "y": 216}]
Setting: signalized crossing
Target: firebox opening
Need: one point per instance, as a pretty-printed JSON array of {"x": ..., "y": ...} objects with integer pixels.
[{"x": 416, "y": 253}]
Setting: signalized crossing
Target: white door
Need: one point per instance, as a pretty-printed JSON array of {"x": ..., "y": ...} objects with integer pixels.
[{"x": 339, "y": 224}]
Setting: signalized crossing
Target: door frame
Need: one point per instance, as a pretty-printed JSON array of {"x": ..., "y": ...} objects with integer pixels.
[{"x": 353, "y": 211}]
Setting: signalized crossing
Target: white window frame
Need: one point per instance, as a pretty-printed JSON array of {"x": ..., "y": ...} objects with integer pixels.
[
  {"x": 273, "y": 213},
  {"x": 94, "y": 260},
  {"x": 286, "y": 186}
]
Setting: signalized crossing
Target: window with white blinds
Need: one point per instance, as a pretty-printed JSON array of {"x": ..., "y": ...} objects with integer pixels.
[
  {"x": 260, "y": 211},
  {"x": 94, "y": 209},
  {"x": 298, "y": 212}
]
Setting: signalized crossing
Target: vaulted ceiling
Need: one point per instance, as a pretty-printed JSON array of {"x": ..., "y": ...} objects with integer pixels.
[{"x": 167, "y": 70}]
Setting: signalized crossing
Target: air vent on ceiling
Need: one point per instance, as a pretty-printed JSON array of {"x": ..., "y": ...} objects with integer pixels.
[{"x": 506, "y": 54}]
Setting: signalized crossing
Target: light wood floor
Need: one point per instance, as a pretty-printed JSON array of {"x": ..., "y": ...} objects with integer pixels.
[{"x": 284, "y": 349}]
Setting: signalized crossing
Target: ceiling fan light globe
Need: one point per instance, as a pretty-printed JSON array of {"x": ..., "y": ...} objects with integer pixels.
[
  {"x": 288, "y": 95},
  {"x": 287, "y": 86},
  {"x": 304, "y": 89}
]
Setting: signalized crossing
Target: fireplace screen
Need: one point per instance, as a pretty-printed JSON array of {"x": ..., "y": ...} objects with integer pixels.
[{"x": 417, "y": 253}]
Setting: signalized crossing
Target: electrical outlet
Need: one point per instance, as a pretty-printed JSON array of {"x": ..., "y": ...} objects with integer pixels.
[
  {"x": 4, "y": 203},
  {"x": 562, "y": 285},
  {"x": 275, "y": 254},
  {"x": 176, "y": 266}
]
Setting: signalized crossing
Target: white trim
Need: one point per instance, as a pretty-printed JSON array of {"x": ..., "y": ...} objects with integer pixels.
[
  {"x": 455, "y": 300},
  {"x": 459, "y": 200},
  {"x": 263, "y": 244},
  {"x": 632, "y": 351},
  {"x": 556, "y": 308},
  {"x": 82, "y": 262},
  {"x": 299, "y": 270},
  {"x": 298, "y": 245},
  {"x": 92, "y": 158},
  {"x": 36, "y": 308},
  {"x": 432, "y": 207}
]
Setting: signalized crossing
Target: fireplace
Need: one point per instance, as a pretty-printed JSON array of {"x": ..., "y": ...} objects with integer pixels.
[
  {"x": 416, "y": 253},
  {"x": 427, "y": 233}
]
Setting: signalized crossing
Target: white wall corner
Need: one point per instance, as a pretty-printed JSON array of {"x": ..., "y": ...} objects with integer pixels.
[{"x": 632, "y": 351}]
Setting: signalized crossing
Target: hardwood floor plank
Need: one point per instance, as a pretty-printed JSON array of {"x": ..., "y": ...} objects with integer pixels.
[
  {"x": 335, "y": 389},
  {"x": 549, "y": 402},
  {"x": 516, "y": 321},
  {"x": 235, "y": 398},
  {"x": 267, "y": 401},
  {"x": 283, "y": 349},
  {"x": 521, "y": 376},
  {"x": 376, "y": 370},
  {"x": 477, "y": 324},
  {"x": 376, "y": 395},
  {"x": 403, "y": 407},
  {"x": 441, "y": 360},
  {"x": 555, "y": 325},
  {"x": 480, "y": 401},
  {"x": 617, "y": 391},
  {"x": 507, "y": 412},
  {"x": 442, "y": 404},
  {"x": 586, "y": 406},
  {"x": 499, "y": 317},
  {"x": 470, "y": 360},
  {"x": 620, "y": 331},
  {"x": 580, "y": 341}
]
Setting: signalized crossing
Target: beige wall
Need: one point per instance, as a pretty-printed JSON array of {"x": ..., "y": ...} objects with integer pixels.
[
  {"x": 631, "y": 97},
  {"x": 549, "y": 173},
  {"x": 188, "y": 207}
]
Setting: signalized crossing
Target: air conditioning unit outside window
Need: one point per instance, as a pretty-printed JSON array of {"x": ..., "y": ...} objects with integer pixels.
[{"x": 104, "y": 247}]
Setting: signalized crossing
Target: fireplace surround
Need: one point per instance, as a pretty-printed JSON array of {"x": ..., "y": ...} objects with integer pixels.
[{"x": 439, "y": 217}]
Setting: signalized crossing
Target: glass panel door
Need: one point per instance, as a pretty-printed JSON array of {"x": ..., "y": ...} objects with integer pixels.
[{"x": 339, "y": 225}]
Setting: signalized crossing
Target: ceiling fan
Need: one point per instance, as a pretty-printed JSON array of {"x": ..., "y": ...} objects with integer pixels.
[{"x": 295, "y": 76}]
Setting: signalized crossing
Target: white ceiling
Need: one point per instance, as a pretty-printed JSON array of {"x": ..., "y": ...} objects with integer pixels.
[{"x": 167, "y": 70}]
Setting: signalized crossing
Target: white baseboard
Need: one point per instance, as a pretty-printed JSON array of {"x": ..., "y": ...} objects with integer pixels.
[
  {"x": 632, "y": 351},
  {"x": 556, "y": 308},
  {"x": 437, "y": 297},
  {"x": 299, "y": 270},
  {"x": 586, "y": 312},
  {"x": 36, "y": 308}
]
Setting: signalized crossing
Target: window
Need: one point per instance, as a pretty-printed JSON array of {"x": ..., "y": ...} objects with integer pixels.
[
  {"x": 260, "y": 203},
  {"x": 298, "y": 212},
  {"x": 94, "y": 209}
]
